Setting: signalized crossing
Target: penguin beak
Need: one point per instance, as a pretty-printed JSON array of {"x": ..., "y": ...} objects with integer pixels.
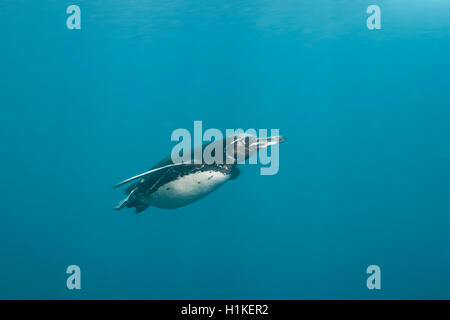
[{"x": 266, "y": 142}]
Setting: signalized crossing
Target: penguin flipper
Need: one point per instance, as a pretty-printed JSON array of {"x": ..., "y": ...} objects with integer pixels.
[
  {"x": 131, "y": 202},
  {"x": 122, "y": 204},
  {"x": 149, "y": 172}
]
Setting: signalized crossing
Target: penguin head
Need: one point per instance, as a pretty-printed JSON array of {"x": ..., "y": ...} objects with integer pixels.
[{"x": 240, "y": 147}]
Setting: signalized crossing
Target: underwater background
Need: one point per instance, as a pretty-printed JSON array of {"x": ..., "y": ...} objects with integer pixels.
[{"x": 364, "y": 174}]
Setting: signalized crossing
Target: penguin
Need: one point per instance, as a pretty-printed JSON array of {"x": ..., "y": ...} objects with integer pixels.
[{"x": 171, "y": 185}]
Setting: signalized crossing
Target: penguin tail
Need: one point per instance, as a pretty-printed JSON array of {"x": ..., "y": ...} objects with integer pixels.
[{"x": 141, "y": 207}]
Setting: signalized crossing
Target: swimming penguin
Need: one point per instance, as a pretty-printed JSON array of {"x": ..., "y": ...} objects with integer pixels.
[{"x": 172, "y": 185}]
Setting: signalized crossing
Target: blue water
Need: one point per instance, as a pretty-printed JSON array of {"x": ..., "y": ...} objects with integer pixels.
[{"x": 364, "y": 175}]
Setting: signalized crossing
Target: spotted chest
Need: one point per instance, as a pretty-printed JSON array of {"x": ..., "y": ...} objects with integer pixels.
[{"x": 186, "y": 189}]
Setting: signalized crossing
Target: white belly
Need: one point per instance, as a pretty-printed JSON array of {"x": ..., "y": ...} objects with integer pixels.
[{"x": 186, "y": 189}]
